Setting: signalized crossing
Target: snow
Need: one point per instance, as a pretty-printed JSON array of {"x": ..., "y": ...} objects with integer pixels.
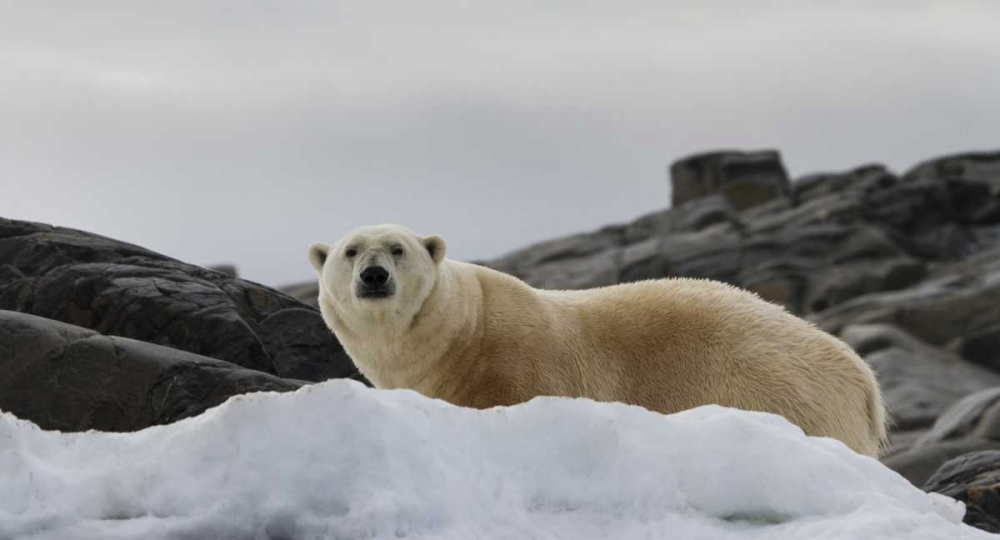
[{"x": 338, "y": 460}]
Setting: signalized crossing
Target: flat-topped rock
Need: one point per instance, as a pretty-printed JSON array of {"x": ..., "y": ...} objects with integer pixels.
[{"x": 745, "y": 179}]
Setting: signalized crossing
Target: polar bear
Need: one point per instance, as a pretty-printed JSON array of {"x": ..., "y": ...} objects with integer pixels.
[{"x": 467, "y": 334}]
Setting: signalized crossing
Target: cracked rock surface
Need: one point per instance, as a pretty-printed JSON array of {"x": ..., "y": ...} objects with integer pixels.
[
  {"x": 68, "y": 378},
  {"x": 124, "y": 290},
  {"x": 974, "y": 479}
]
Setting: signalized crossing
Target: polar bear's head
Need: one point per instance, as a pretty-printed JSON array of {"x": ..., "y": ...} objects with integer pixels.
[{"x": 385, "y": 269}]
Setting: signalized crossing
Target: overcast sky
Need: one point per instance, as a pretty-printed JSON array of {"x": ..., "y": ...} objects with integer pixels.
[{"x": 243, "y": 131}]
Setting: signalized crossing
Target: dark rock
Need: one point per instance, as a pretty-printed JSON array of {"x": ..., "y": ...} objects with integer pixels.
[
  {"x": 805, "y": 268},
  {"x": 572, "y": 248},
  {"x": 931, "y": 218},
  {"x": 969, "y": 425},
  {"x": 955, "y": 302},
  {"x": 836, "y": 209},
  {"x": 791, "y": 261},
  {"x": 594, "y": 271},
  {"x": 782, "y": 282},
  {"x": 974, "y": 479},
  {"x": 227, "y": 269},
  {"x": 919, "y": 382},
  {"x": 124, "y": 290},
  {"x": 983, "y": 166},
  {"x": 901, "y": 441},
  {"x": 919, "y": 463},
  {"x": 695, "y": 216},
  {"x": 865, "y": 261},
  {"x": 744, "y": 179},
  {"x": 68, "y": 378},
  {"x": 307, "y": 292},
  {"x": 982, "y": 347},
  {"x": 976, "y": 415},
  {"x": 867, "y": 177},
  {"x": 837, "y": 284},
  {"x": 845, "y": 236},
  {"x": 707, "y": 253}
]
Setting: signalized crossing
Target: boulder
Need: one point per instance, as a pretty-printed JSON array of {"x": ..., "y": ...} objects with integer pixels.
[
  {"x": 744, "y": 179},
  {"x": 228, "y": 269},
  {"x": 974, "y": 479},
  {"x": 120, "y": 289},
  {"x": 954, "y": 308},
  {"x": 837, "y": 283},
  {"x": 866, "y": 177},
  {"x": 306, "y": 292},
  {"x": 806, "y": 268},
  {"x": 971, "y": 424},
  {"x": 919, "y": 382},
  {"x": 982, "y": 346},
  {"x": 976, "y": 415},
  {"x": 900, "y": 441},
  {"x": 694, "y": 216},
  {"x": 918, "y": 464},
  {"x": 67, "y": 378},
  {"x": 599, "y": 269},
  {"x": 934, "y": 219},
  {"x": 578, "y": 247},
  {"x": 982, "y": 166}
]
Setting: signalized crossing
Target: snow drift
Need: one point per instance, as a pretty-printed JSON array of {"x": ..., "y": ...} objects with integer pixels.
[{"x": 338, "y": 460}]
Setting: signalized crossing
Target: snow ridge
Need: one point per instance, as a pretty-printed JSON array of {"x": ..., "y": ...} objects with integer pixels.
[{"x": 339, "y": 460}]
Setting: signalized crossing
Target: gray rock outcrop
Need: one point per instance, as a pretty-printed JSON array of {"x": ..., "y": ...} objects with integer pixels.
[
  {"x": 68, "y": 378},
  {"x": 744, "y": 179},
  {"x": 974, "y": 479},
  {"x": 124, "y": 290}
]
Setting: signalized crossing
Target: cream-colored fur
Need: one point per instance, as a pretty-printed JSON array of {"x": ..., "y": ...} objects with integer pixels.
[{"x": 477, "y": 337}]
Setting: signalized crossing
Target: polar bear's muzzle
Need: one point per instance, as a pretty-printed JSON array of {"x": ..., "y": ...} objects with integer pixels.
[{"x": 374, "y": 282}]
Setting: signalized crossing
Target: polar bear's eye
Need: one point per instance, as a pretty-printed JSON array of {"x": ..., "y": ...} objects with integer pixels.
[
  {"x": 397, "y": 251},
  {"x": 351, "y": 252}
]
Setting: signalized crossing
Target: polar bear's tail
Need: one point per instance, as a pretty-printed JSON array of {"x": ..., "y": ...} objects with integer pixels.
[{"x": 878, "y": 417}]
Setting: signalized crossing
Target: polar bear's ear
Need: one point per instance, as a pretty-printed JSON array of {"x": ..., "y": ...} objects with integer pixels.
[
  {"x": 435, "y": 246},
  {"x": 317, "y": 255}
]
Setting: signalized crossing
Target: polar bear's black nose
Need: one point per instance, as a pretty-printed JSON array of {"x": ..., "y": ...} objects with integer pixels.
[{"x": 374, "y": 276}]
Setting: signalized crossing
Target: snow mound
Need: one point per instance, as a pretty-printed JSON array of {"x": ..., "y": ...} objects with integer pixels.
[{"x": 338, "y": 460}]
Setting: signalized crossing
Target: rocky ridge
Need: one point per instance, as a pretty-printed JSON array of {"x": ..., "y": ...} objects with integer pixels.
[
  {"x": 101, "y": 334},
  {"x": 124, "y": 290}
]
